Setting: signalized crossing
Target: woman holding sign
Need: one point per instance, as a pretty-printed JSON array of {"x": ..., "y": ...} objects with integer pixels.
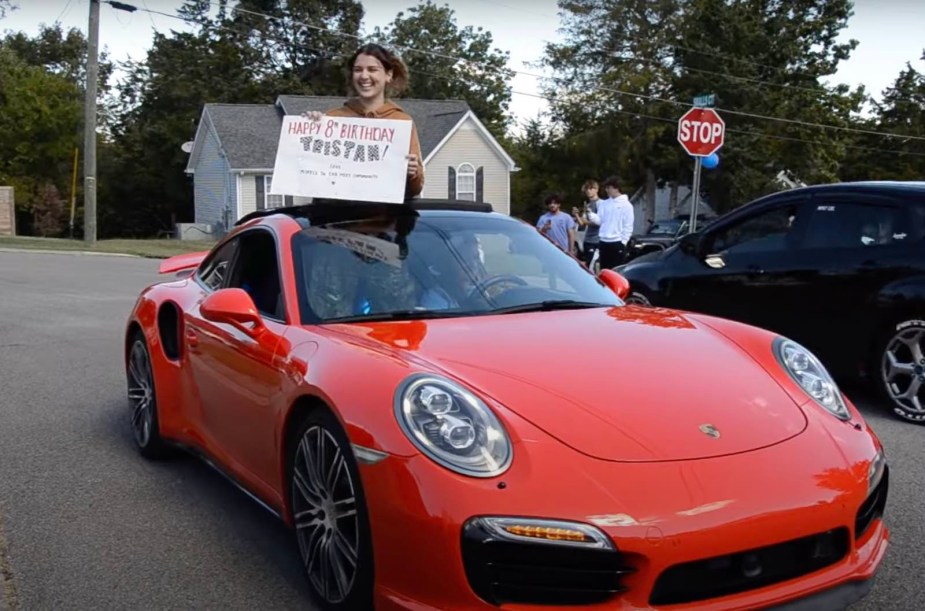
[{"x": 374, "y": 72}]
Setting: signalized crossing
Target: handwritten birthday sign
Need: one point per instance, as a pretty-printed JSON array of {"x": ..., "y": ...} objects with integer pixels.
[{"x": 342, "y": 158}]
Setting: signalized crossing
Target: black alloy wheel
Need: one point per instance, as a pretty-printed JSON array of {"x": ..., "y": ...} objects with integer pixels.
[
  {"x": 330, "y": 517},
  {"x": 142, "y": 400}
]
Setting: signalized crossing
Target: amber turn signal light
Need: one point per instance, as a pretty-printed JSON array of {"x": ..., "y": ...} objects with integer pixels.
[{"x": 548, "y": 533}]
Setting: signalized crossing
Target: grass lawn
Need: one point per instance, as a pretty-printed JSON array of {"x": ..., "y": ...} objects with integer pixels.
[{"x": 155, "y": 249}]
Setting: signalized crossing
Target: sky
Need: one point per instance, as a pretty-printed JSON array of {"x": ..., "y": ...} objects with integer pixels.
[{"x": 889, "y": 34}]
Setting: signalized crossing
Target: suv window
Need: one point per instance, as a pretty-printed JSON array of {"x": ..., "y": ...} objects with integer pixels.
[
  {"x": 214, "y": 269},
  {"x": 854, "y": 225},
  {"x": 256, "y": 270},
  {"x": 768, "y": 230}
]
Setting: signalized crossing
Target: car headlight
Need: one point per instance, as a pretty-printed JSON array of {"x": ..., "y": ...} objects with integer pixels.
[
  {"x": 808, "y": 372},
  {"x": 452, "y": 426}
]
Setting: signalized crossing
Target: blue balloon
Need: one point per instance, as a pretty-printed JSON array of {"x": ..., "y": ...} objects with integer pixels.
[{"x": 711, "y": 161}]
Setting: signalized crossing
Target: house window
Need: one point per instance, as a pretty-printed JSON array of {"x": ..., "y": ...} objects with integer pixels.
[
  {"x": 465, "y": 182},
  {"x": 270, "y": 201}
]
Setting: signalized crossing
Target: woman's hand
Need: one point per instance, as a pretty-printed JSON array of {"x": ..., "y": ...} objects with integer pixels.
[
  {"x": 313, "y": 115},
  {"x": 413, "y": 165}
]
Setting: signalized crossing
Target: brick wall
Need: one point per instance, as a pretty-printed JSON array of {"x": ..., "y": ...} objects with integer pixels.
[{"x": 7, "y": 213}]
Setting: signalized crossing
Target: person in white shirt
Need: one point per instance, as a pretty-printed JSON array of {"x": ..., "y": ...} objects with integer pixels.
[{"x": 616, "y": 218}]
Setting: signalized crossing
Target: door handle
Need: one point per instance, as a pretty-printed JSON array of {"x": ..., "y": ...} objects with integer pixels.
[{"x": 192, "y": 338}]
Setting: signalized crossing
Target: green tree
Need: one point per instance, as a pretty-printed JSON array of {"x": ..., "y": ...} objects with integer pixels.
[
  {"x": 629, "y": 83},
  {"x": 768, "y": 57},
  {"x": 161, "y": 101},
  {"x": 902, "y": 112},
  {"x": 38, "y": 114},
  {"x": 5, "y": 7},
  {"x": 446, "y": 62},
  {"x": 304, "y": 43}
]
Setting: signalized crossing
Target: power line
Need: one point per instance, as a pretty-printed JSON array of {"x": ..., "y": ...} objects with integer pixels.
[
  {"x": 747, "y": 132},
  {"x": 610, "y": 89}
]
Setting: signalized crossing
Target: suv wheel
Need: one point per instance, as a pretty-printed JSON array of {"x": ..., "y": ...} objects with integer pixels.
[
  {"x": 638, "y": 298},
  {"x": 902, "y": 369}
]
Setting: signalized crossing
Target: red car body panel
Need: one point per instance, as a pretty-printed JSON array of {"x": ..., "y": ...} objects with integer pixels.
[
  {"x": 615, "y": 444},
  {"x": 181, "y": 262}
]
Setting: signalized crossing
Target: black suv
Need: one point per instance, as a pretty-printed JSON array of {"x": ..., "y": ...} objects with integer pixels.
[{"x": 839, "y": 268}]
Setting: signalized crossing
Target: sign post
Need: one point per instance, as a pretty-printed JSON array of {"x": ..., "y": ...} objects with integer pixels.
[{"x": 701, "y": 132}]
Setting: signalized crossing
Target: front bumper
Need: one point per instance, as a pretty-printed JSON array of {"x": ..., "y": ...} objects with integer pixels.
[
  {"x": 659, "y": 515},
  {"x": 839, "y": 597}
]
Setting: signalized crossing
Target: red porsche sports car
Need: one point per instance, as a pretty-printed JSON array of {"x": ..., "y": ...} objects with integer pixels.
[{"x": 452, "y": 413}]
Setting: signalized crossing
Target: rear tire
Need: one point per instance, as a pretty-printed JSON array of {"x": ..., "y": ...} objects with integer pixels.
[
  {"x": 142, "y": 400},
  {"x": 329, "y": 514},
  {"x": 900, "y": 370}
]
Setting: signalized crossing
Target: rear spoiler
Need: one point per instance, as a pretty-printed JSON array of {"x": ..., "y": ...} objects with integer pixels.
[{"x": 182, "y": 262}]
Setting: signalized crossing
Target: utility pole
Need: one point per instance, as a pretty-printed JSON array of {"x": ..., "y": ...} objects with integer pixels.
[{"x": 90, "y": 124}]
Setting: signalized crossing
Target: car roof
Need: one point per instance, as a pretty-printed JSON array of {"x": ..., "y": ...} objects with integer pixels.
[
  {"x": 322, "y": 211},
  {"x": 868, "y": 186}
]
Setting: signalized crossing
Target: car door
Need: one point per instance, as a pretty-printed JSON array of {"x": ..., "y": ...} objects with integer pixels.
[
  {"x": 744, "y": 270},
  {"x": 238, "y": 375},
  {"x": 857, "y": 244},
  {"x": 211, "y": 276}
]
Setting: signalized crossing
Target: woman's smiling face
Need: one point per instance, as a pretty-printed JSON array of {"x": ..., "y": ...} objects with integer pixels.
[{"x": 370, "y": 77}]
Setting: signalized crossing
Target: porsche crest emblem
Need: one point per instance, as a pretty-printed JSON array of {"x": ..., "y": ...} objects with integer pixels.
[{"x": 709, "y": 430}]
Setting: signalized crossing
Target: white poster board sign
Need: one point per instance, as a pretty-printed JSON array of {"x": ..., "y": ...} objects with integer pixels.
[{"x": 342, "y": 158}]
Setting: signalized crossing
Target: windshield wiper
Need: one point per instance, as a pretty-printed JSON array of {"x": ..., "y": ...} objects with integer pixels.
[
  {"x": 550, "y": 305},
  {"x": 398, "y": 315}
]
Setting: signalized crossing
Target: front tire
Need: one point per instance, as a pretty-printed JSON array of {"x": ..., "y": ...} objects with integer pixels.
[
  {"x": 142, "y": 400},
  {"x": 901, "y": 370},
  {"x": 330, "y": 517},
  {"x": 638, "y": 298}
]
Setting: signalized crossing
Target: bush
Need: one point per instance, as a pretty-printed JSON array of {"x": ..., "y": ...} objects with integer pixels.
[{"x": 49, "y": 212}]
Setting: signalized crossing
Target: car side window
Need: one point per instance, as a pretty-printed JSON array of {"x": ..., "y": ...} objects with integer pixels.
[
  {"x": 768, "y": 230},
  {"x": 256, "y": 270},
  {"x": 855, "y": 225},
  {"x": 214, "y": 270}
]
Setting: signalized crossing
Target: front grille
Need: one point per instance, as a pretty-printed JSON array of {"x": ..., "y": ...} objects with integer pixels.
[
  {"x": 748, "y": 570},
  {"x": 873, "y": 506},
  {"x": 502, "y": 571}
]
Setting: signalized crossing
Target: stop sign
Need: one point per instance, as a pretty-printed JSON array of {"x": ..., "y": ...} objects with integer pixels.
[{"x": 701, "y": 131}]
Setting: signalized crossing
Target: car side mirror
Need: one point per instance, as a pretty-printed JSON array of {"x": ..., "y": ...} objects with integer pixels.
[
  {"x": 234, "y": 307},
  {"x": 692, "y": 244},
  {"x": 615, "y": 282}
]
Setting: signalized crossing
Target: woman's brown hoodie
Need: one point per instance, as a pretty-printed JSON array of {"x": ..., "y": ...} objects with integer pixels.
[{"x": 389, "y": 110}]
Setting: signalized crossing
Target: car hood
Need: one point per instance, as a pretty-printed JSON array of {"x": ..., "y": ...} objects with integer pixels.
[{"x": 619, "y": 384}]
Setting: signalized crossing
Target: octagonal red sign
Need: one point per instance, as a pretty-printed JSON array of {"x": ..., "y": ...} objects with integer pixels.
[{"x": 701, "y": 131}]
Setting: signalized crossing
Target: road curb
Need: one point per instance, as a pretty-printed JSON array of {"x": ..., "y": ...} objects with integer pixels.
[{"x": 45, "y": 251}]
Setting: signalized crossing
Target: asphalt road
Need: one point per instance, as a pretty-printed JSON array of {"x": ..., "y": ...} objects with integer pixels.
[{"x": 86, "y": 523}]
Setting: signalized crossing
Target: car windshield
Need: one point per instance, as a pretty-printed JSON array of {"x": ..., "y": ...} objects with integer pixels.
[
  {"x": 669, "y": 228},
  {"x": 435, "y": 265}
]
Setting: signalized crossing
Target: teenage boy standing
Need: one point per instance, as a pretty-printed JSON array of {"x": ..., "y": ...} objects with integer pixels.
[
  {"x": 558, "y": 226},
  {"x": 590, "y": 244},
  {"x": 616, "y": 217}
]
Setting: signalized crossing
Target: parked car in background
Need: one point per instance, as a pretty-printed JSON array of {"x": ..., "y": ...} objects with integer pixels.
[
  {"x": 659, "y": 236},
  {"x": 839, "y": 268},
  {"x": 662, "y": 234}
]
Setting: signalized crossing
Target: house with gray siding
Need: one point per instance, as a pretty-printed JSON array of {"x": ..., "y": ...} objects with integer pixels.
[{"x": 234, "y": 152}]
